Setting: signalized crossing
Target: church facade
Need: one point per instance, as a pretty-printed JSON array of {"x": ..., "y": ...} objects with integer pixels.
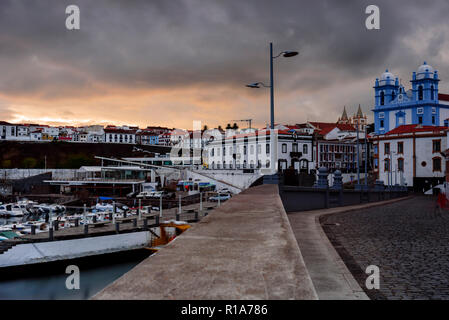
[
  {"x": 422, "y": 104},
  {"x": 410, "y": 130}
]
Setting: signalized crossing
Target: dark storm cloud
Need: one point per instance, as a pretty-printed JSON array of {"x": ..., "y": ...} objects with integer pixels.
[{"x": 178, "y": 43}]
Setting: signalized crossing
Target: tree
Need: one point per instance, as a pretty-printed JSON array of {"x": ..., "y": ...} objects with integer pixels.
[{"x": 29, "y": 163}]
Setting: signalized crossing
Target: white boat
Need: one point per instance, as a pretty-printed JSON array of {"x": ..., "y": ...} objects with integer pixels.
[
  {"x": 11, "y": 210},
  {"x": 50, "y": 208}
]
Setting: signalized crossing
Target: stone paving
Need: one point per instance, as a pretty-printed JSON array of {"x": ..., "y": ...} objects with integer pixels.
[{"x": 408, "y": 244}]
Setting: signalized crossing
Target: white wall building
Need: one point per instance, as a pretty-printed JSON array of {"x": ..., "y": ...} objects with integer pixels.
[
  {"x": 411, "y": 155},
  {"x": 253, "y": 151}
]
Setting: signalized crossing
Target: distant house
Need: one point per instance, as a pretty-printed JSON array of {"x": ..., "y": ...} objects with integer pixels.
[
  {"x": 412, "y": 155},
  {"x": 36, "y": 135},
  {"x": 147, "y": 138},
  {"x": 119, "y": 135}
]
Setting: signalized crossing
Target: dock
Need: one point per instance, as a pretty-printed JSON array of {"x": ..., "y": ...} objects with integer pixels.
[{"x": 245, "y": 249}]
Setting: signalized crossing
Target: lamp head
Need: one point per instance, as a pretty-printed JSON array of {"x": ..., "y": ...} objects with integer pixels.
[
  {"x": 288, "y": 54},
  {"x": 253, "y": 85}
]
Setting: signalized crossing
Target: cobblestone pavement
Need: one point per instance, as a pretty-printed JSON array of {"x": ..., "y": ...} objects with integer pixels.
[{"x": 408, "y": 244}]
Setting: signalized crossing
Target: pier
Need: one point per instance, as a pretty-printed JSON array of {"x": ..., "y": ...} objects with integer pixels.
[
  {"x": 245, "y": 249},
  {"x": 131, "y": 224}
]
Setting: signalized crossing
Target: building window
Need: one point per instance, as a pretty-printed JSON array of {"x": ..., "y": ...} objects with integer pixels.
[
  {"x": 432, "y": 92},
  {"x": 259, "y": 149},
  {"x": 382, "y": 98},
  {"x": 295, "y": 147},
  {"x": 251, "y": 149},
  {"x": 420, "y": 119},
  {"x": 284, "y": 148},
  {"x": 436, "y": 145},
  {"x": 304, "y": 149},
  {"x": 393, "y": 95},
  {"x": 400, "y": 164},
  {"x": 387, "y": 165},
  {"x": 267, "y": 148},
  {"x": 433, "y": 119},
  {"x": 244, "y": 151},
  {"x": 381, "y": 123},
  {"x": 401, "y": 147},
  {"x": 387, "y": 148},
  {"x": 436, "y": 164},
  {"x": 420, "y": 111},
  {"x": 420, "y": 93}
]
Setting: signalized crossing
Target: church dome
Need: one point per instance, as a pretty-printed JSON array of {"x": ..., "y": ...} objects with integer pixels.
[
  {"x": 423, "y": 69},
  {"x": 387, "y": 78},
  {"x": 387, "y": 75}
]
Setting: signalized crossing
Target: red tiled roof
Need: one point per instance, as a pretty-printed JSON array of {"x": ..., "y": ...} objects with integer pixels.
[
  {"x": 443, "y": 96},
  {"x": 262, "y": 132},
  {"x": 326, "y": 127},
  {"x": 410, "y": 128},
  {"x": 111, "y": 130}
]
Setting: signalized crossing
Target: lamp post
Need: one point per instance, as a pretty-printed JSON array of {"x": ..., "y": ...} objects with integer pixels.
[{"x": 256, "y": 85}]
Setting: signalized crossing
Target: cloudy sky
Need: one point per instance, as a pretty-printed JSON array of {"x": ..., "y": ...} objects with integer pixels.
[{"x": 159, "y": 62}]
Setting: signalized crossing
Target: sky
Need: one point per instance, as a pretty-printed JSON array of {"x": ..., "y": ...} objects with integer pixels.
[{"x": 168, "y": 63}]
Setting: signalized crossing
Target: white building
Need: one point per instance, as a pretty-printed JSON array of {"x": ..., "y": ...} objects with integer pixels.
[
  {"x": 8, "y": 131},
  {"x": 252, "y": 151},
  {"x": 120, "y": 135},
  {"x": 411, "y": 155}
]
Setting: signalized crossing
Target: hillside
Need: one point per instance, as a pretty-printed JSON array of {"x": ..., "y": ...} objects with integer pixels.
[{"x": 65, "y": 155}]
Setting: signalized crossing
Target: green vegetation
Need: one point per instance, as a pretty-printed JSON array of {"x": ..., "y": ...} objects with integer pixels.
[
  {"x": 29, "y": 163},
  {"x": 75, "y": 161}
]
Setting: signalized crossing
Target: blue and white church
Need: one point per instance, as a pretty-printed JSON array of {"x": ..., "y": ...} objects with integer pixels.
[{"x": 422, "y": 104}]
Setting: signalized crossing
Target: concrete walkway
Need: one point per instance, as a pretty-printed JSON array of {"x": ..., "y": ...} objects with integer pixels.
[
  {"x": 245, "y": 249},
  {"x": 330, "y": 276}
]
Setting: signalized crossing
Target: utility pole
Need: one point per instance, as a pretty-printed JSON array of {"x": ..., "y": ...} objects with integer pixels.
[
  {"x": 366, "y": 158},
  {"x": 358, "y": 159}
]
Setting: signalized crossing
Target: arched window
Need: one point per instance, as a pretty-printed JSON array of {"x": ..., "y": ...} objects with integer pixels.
[
  {"x": 284, "y": 148},
  {"x": 432, "y": 92},
  {"x": 304, "y": 149},
  {"x": 382, "y": 98},
  {"x": 393, "y": 95},
  {"x": 420, "y": 93}
]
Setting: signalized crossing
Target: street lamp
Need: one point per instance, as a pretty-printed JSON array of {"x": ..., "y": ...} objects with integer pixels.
[{"x": 256, "y": 85}]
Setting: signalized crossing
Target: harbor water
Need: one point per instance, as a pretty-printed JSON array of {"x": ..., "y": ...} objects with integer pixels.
[{"x": 48, "y": 280}]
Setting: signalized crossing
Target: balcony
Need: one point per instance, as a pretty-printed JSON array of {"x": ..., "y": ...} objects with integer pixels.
[{"x": 295, "y": 154}]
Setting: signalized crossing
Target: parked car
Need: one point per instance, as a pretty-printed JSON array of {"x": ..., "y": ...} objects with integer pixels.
[
  {"x": 145, "y": 194},
  {"x": 224, "y": 190},
  {"x": 156, "y": 194},
  {"x": 132, "y": 194},
  {"x": 221, "y": 197}
]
